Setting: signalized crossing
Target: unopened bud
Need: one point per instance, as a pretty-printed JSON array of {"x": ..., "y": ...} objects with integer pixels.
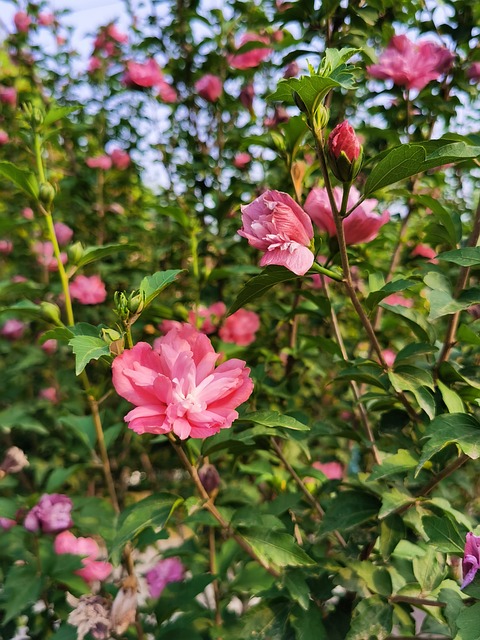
[
  {"x": 136, "y": 302},
  {"x": 52, "y": 313},
  {"x": 321, "y": 117},
  {"x": 110, "y": 335},
  {"x": 209, "y": 477},
  {"x": 15, "y": 460},
  {"x": 121, "y": 304},
  {"x": 75, "y": 252},
  {"x": 46, "y": 194},
  {"x": 345, "y": 153}
]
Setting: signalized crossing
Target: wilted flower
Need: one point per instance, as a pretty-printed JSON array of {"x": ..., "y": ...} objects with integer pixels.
[
  {"x": 88, "y": 289},
  {"x": 209, "y": 477},
  {"x": 250, "y": 58},
  {"x": 99, "y": 162},
  {"x": 277, "y": 225},
  {"x": 240, "y": 327},
  {"x": 362, "y": 225},
  {"x": 15, "y": 460},
  {"x": 164, "y": 572},
  {"x": 93, "y": 569},
  {"x": 90, "y": 615},
  {"x": 209, "y": 87},
  {"x": 124, "y": 607},
  {"x": 471, "y": 559},
  {"x": 344, "y": 152},
  {"x": 51, "y": 514},
  {"x": 412, "y": 65},
  {"x": 242, "y": 160},
  {"x": 13, "y": 329},
  {"x": 63, "y": 232},
  {"x": 22, "y": 21},
  {"x": 177, "y": 388}
]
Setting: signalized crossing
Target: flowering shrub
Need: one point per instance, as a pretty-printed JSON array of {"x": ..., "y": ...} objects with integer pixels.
[{"x": 239, "y": 322}]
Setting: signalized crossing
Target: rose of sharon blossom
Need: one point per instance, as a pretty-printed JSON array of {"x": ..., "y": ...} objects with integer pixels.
[
  {"x": 362, "y": 225},
  {"x": 471, "y": 559},
  {"x": 148, "y": 74},
  {"x": 242, "y": 160},
  {"x": 6, "y": 247},
  {"x": 46, "y": 19},
  {"x": 240, "y": 327},
  {"x": 22, "y": 21},
  {"x": 120, "y": 159},
  {"x": 177, "y": 387},
  {"x": 93, "y": 569},
  {"x": 8, "y": 95},
  {"x": 4, "y": 137},
  {"x": 63, "y": 232},
  {"x": 15, "y": 460},
  {"x": 46, "y": 255},
  {"x": 164, "y": 572},
  {"x": 250, "y": 58},
  {"x": 210, "y": 317},
  {"x": 389, "y": 357},
  {"x": 344, "y": 152},
  {"x": 99, "y": 162},
  {"x": 49, "y": 346},
  {"x": 88, "y": 289},
  {"x": 424, "y": 251},
  {"x": 473, "y": 72},
  {"x": 209, "y": 87},
  {"x": 7, "y": 523},
  {"x": 394, "y": 299},
  {"x": 50, "y": 394},
  {"x": 51, "y": 514},
  {"x": 90, "y": 615},
  {"x": 13, "y": 329},
  {"x": 412, "y": 65},
  {"x": 277, "y": 225},
  {"x": 333, "y": 470}
]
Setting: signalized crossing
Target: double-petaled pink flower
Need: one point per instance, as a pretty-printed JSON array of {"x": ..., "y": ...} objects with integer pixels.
[
  {"x": 164, "y": 572},
  {"x": 51, "y": 514},
  {"x": 251, "y": 58},
  {"x": 412, "y": 65},
  {"x": 240, "y": 327},
  {"x": 176, "y": 387},
  {"x": 332, "y": 470},
  {"x": 88, "y": 289},
  {"x": 362, "y": 225},
  {"x": 209, "y": 87},
  {"x": 46, "y": 255},
  {"x": 277, "y": 225},
  {"x": 93, "y": 569}
]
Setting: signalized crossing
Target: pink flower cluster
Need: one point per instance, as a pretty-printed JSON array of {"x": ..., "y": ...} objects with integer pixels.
[
  {"x": 176, "y": 387},
  {"x": 88, "y": 289},
  {"x": 93, "y": 568},
  {"x": 164, "y": 572},
  {"x": 148, "y": 74}
]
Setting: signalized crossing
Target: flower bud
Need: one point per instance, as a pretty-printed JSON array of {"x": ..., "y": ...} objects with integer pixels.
[
  {"x": 345, "y": 153},
  {"x": 75, "y": 252},
  {"x": 209, "y": 477},
  {"x": 51, "y": 312},
  {"x": 46, "y": 193},
  {"x": 321, "y": 117},
  {"x": 121, "y": 304},
  {"x": 136, "y": 302}
]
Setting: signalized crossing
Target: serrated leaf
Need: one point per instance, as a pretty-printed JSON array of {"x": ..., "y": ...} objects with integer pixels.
[
  {"x": 277, "y": 548},
  {"x": 467, "y": 623},
  {"x": 445, "y": 533},
  {"x": 92, "y": 254},
  {"x": 152, "y": 285},
  {"x": 461, "y": 429},
  {"x": 24, "y": 180},
  {"x": 349, "y": 509},
  {"x": 86, "y": 349},
  {"x": 409, "y": 378},
  {"x": 428, "y": 570},
  {"x": 259, "y": 285},
  {"x": 297, "y": 587},
  {"x": 275, "y": 419},
  {"x": 466, "y": 257}
]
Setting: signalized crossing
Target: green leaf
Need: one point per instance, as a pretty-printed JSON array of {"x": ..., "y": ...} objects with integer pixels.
[
  {"x": 349, "y": 509},
  {"x": 442, "y": 303},
  {"x": 22, "y": 589},
  {"x": 400, "y": 163},
  {"x": 391, "y": 287},
  {"x": 408, "y": 378},
  {"x": 8, "y": 508},
  {"x": 372, "y": 618},
  {"x": 65, "y": 632},
  {"x": 429, "y": 570},
  {"x": 415, "y": 320},
  {"x": 275, "y": 419},
  {"x": 466, "y": 257},
  {"x": 445, "y": 533},
  {"x": 16, "y": 416},
  {"x": 392, "y": 530},
  {"x": 86, "y": 349},
  {"x": 277, "y": 548},
  {"x": 92, "y": 254},
  {"x": 400, "y": 462},
  {"x": 154, "y": 511},
  {"x": 311, "y": 89},
  {"x": 443, "y": 218},
  {"x": 447, "y": 151},
  {"x": 24, "y": 180},
  {"x": 467, "y": 623},
  {"x": 261, "y": 622},
  {"x": 297, "y": 587},
  {"x": 59, "y": 476},
  {"x": 152, "y": 285},
  {"x": 461, "y": 429},
  {"x": 413, "y": 352},
  {"x": 58, "y": 113},
  {"x": 83, "y": 427},
  {"x": 452, "y": 400},
  {"x": 260, "y": 284},
  {"x": 308, "y": 624}
]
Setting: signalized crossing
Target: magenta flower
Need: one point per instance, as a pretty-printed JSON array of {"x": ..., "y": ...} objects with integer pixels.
[
  {"x": 13, "y": 329},
  {"x": 250, "y": 58},
  {"x": 177, "y": 388},
  {"x": 93, "y": 569},
  {"x": 22, "y": 21},
  {"x": 240, "y": 327},
  {"x": 51, "y": 514},
  {"x": 209, "y": 87},
  {"x": 412, "y": 65},
  {"x": 63, "y": 232},
  {"x": 88, "y": 289},
  {"x": 8, "y": 95},
  {"x": 473, "y": 72},
  {"x": 242, "y": 160},
  {"x": 276, "y": 224},
  {"x": 120, "y": 159},
  {"x": 362, "y": 225},
  {"x": 164, "y": 572},
  {"x": 471, "y": 559},
  {"x": 333, "y": 470},
  {"x": 99, "y": 162}
]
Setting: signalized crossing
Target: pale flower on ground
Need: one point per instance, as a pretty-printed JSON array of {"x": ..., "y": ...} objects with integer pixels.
[
  {"x": 93, "y": 568},
  {"x": 240, "y": 327},
  {"x": 88, "y": 289},
  {"x": 164, "y": 572}
]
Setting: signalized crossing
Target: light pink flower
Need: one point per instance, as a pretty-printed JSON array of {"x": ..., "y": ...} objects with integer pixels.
[
  {"x": 412, "y": 65},
  {"x": 49, "y": 346},
  {"x": 120, "y": 159},
  {"x": 242, "y": 160},
  {"x": 22, "y": 21},
  {"x": 166, "y": 92},
  {"x": 211, "y": 317},
  {"x": 51, "y": 514},
  {"x": 250, "y": 58},
  {"x": 143, "y": 74},
  {"x": 18, "y": 278},
  {"x": 27, "y": 213},
  {"x": 473, "y": 72},
  {"x": 4, "y": 137},
  {"x": 362, "y": 225},
  {"x": 164, "y": 572},
  {"x": 115, "y": 34},
  {"x": 8, "y": 95},
  {"x": 424, "y": 251},
  {"x": 88, "y": 289},
  {"x": 177, "y": 387},
  {"x": 167, "y": 325},
  {"x": 276, "y": 224},
  {"x": 389, "y": 356},
  {"x": 93, "y": 569},
  {"x": 6, "y": 247},
  {"x": 99, "y": 162},
  {"x": 209, "y": 87},
  {"x": 395, "y": 300},
  {"x": 46, "y": 255},
  {"x": 61, "y": 40},
  {"x": 63, "y": 232},
  {"x": 333, "y": 470},
  {"x": 50, "y": 394},
  {"x": 7, "y": 523},
  {"x": 13, "y": 329},
  {"x": 94, "y": 64},
  {"x": 46, "y": 19},
  {"x": 240, "y": 327}
]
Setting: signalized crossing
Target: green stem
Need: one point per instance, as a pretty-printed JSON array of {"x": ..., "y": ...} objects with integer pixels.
[{"x": 326, "y": 272}]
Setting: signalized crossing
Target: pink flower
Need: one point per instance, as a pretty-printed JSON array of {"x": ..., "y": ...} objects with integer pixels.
[
  {"x": 49, "y": 346},
  {"x": 99, "y": 162},
  {"x": 27, "y": 213},
  {"x": 246, "y": 96},
  {"x": 50, "y": 394},
  {"x": 164, "y": 572},
  {"x": 51, "y": 514},
  {"x": 395, "y": 300},
  {"x": 93, "y": 569},
  {"x": 280, "y": 116},
  {"x": 8, "y": 95},
  {"x": 166, "y": 92},
  {"x": 143, "y": 74},
  {"x": 13, "y": 329},
  {"x": 389, "y": 357},
  {"x": 362, "y": 225},
  {"x": 209, "y": 87},
  {"x": 167, "y": 325},
  {"x": 6, "y": 247},
  {"x": 211, "y": 316},
  {"x": 240, "y": 327},
  {"x": 242, "y": 160},
  {"x": 473, "y": 72},
  {"x": 177, "y": 387},
  {"x": 94, "y": 64},
  {"x": 471, "y": 559},
  {"x": 88, "y": 289},
  {"x": 115, "y": 34},
  {"x": 7, "y": 523},
  {"x": 412, "y": 65},
  {"x": 18, "y": 278},
  {"x": 333, "y": 470},
  {"x": 424, "y": 251},
  {"x": 46, "y": 255},
  {"x": 276, "y": 224},
  {"x": 63, "y": 232},
  {"x": 120, "y": 159},
  {"x": 4, "y": 137},
  {"x": 344, "y": 152},
  {"x": 22, "y": 21},
  {"x": 250, "y": 58},
  {"x": 46, "y": 19}
]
